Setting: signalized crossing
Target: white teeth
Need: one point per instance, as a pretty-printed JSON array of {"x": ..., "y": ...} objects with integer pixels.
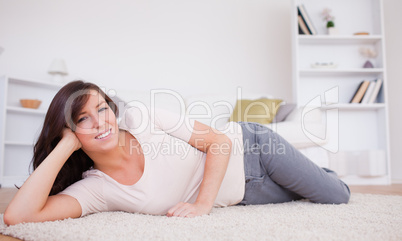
[{"x": 103, "y": 135}]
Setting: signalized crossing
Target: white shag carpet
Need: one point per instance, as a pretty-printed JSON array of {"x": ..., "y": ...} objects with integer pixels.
[{"x": 366, "y": 217}]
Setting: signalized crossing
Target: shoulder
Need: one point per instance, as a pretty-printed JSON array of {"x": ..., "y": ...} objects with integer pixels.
[
  {"x": 89, "y": 192},
  {"x": 92, "y": 180},
  {"x": 92, "y": 174},
  {"x": 135, "y": 117}
]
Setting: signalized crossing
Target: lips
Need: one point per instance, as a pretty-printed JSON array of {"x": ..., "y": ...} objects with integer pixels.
[{"x": 104, "y": 135}]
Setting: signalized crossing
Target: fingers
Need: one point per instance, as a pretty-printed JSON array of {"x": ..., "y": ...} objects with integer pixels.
[
  {"x": 173, "y": 209},
  {"x": 188, "y": 210},
  {"x": 181, "y": 210},
  {"x": 72, "y": 137},
  {"x": 176, "y": 210}
]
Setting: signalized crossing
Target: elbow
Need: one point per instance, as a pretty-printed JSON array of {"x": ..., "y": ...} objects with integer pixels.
[
  {"x": 10, "y": 218},
  {"x": 223, "y": 140},
  {"x": 229, "y": 142},
  {"x": 220, "y": 145},
  {"x": 226, "y": 145}
]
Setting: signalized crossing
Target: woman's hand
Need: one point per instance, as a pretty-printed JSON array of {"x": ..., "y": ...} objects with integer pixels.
[
  {"x": 71, "y": 138},
  {"x": 189, "y": 210}
]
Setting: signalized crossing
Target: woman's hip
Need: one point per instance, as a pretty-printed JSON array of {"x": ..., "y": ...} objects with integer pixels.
[{"x": 259, "y": 139}]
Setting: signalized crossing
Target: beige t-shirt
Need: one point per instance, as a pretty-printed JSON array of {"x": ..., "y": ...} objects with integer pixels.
[{"x": 173, "y": 168}]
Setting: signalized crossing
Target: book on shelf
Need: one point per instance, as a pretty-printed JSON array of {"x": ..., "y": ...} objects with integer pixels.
[
  {"x": 361, "y": 90},
  {"x": 306, "y": 19},
  {"x": 368, "y": 93},
  {"x": 302, "y": 26},
  {"x": 376, "y": 91},
  {"x": 300, "y": 30}
]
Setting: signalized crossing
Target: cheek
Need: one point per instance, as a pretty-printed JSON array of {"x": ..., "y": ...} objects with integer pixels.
[
  {"x": 79, "y": 131},
  {"x": 85, "y": 135},
  {"x": 83, "y": 138},
  {"x": 112, "y": 118}
]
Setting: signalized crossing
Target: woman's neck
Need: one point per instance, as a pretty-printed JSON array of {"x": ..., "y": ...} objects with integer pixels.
[
  {"x": 125, "y": 163},
  {"x": 114, "y": 159}
]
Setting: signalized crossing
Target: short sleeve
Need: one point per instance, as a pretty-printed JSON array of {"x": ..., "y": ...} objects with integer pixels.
[
  {"x": 176, "y": 124},
  {"x": 89, "y": 194},
  {"x": 140, "y": 120}
]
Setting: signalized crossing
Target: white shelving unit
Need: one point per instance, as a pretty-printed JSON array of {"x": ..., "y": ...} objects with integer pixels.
[
  {"x": 20, "y": 126},
  {"x": 358, "y": 133}
]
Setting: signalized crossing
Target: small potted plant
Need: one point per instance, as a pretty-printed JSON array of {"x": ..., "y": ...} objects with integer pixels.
[{"x": 329, "y": 19}]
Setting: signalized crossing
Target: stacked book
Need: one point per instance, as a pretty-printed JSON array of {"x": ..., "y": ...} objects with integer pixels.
[
  {"x": 367, "y": 92},
  {"x": 305, "y": 24}
]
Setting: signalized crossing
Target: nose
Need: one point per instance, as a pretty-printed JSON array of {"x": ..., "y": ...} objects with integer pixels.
[{"x": 98, "y": 121}]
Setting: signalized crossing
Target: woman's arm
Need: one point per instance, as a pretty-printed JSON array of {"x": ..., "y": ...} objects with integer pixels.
[
  {"x": 218, "y": 148},
  {"x": 32, "y": 202}
]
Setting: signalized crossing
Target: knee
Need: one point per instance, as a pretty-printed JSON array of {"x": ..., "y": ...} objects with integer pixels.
[
  {"x": 346, "y": 194},
  {"x": 339, "y": 195},
  {"x": 342, "y": 196}
]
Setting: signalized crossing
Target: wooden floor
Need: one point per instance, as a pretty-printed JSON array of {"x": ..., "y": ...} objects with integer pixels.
[{"x": 6, "y": 194}]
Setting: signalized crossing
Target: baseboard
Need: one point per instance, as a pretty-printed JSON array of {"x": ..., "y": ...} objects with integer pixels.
[
  {"x": 355, "y": 180},
  {"x": 396, "y": 181}
]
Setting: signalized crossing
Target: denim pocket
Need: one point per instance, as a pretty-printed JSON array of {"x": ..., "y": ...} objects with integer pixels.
[
  {"x": 263, "y": 190},
  {"x": 252, "y": 163},
  {"x": 253, "y": 188},
  {"x": 250, "y": 180}
]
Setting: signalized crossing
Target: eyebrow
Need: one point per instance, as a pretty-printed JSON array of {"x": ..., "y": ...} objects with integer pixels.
[{"x": 95, "y": 107}]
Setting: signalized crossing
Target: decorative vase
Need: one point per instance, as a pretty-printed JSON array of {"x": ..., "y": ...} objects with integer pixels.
[
  {"x": 368, "y": 64},
  {"x": 332, "y": 31}
]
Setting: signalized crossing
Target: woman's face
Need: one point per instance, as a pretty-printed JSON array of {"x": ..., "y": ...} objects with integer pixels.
[{"x": 96, "y": 127}]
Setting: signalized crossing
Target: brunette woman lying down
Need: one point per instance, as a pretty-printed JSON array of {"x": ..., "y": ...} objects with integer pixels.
[{"x": 86, "y": 162}]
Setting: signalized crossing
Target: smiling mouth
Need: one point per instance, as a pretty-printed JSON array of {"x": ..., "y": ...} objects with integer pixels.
[{"x": 104, "y": 135}]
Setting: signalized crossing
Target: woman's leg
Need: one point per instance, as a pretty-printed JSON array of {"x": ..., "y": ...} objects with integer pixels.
[
  {"x": 260, "y": 188},
  {"x": 287, "y": 167}
]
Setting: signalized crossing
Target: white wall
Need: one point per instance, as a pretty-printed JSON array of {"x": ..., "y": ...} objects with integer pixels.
[
  {"x": 393, "y": 33},
  {"x": 188, "y": 46}
]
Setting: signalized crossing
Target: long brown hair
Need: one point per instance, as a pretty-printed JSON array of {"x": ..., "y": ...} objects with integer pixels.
[{"x": 62, "y": 110}]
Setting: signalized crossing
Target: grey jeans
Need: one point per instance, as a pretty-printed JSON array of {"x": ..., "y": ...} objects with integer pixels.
[{"x": 277, "y": 172}]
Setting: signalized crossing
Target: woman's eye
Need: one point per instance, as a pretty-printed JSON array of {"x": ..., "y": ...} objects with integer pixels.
[
  {"x": 102, "y": 109},
  {"x": 81, "y": 119}
]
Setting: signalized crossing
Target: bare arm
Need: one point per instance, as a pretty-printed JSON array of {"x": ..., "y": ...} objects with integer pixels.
[
  {"x": 32, "y": 202},
  {"x": 218, "y": 148}
]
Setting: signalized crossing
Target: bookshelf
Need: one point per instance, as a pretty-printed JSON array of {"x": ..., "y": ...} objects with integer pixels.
[
  {"x": 358, "y": 145},
  {"x": 20, "y": 126}
]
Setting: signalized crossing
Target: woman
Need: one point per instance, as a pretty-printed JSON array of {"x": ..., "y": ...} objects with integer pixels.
[{"x": 84, "y": 162}]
